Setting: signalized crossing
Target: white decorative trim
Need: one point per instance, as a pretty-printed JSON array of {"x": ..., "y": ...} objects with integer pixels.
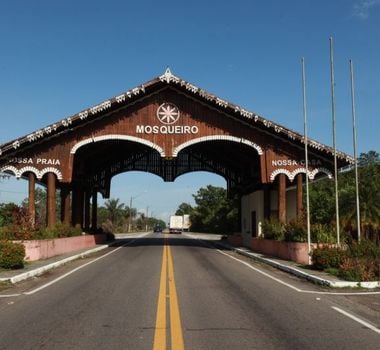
[
  {"x": 28, "y": 169},
  {"x": 50, "y": 170},
  {"x": 11, "y": 169},
  {"x": 280, "y": 171},
  {"x": 101, "y": 107},
  {"x": 252, "y": 144},
  {"x": 217, "y": 138},
  {"x": 222, "y": 103},
  {"x": 191, "y": 88},
  {"x": 120, "y": 98},
  {"x": 321, "y": 170},
  {"x": 117, "y": 137},
  {"x": 168, "y": 76},
  {"x": 294, "y": 173},
  {"x": 83, "y": 115}
]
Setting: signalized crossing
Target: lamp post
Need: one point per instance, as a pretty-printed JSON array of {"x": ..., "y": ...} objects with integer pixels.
[
  {"x": 147, "y": 218},
  {"x": 130, "y": 209},
  {"x": 355, "y": 152}
]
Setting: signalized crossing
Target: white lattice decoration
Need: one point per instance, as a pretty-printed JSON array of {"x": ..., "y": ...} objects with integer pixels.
[
  {"x": 280, "y": 171},
  {"x": 217, "y": 138},
  {"x": 321, "y": 170},
  {"x": 118, "y": 137},
  {"x": 299, "y": 171},
  {"x": 29, "y": 169},
  {"x": 50, "y": 170},
  {"x": 11, "y": 169},
  {"x": 291, "y": 175}
]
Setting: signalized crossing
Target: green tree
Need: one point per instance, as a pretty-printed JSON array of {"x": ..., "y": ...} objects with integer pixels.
[
  {"x": 130, "y": 212},
  {"x": 369, "y": 194},
  {"x": 322, "y": 201},
  {"x": 368, "y": 158},
  {"x": 6, "y": 213},
  {"x": 184, "y": 208},
  {"x": 102, "y": 215},
  {"x": 115, "y": 210},
  {"x": 214, "y": 211},
  {"x": 40, "y": 202},
  {"x": 322, "y": 198}
]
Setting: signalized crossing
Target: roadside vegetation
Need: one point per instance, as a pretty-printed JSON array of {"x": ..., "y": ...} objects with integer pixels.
[
  {"x": 116, "y": 217},
  {"x": 16, "y": 225},
  {"x": 214, "y": 211},
  {"x": 351, "y": 260}
]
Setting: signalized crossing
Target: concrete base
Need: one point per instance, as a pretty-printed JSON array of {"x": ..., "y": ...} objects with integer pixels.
[
  {"x": 47, "y": 248},
  {"x": 293, "y": 251}
]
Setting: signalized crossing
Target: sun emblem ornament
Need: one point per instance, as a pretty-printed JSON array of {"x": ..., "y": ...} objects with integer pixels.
[{"x": 168, "y": 113}]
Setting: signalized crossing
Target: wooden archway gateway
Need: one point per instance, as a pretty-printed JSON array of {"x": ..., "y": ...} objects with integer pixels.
[{"x": 168, "y": 127}]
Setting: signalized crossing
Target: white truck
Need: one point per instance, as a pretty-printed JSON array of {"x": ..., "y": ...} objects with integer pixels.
[
  {"x": 186, "y": 223},
  {"x": 176, "y": 224}
]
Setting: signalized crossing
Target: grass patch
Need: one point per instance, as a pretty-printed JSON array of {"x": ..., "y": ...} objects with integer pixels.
[
  {"x": 5, "y": 285},
  {"x": 332, "y": 271}
]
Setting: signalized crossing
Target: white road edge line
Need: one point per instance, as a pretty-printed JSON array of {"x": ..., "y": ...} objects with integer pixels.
[
  {"x": 364, "y": 323},
  {"x": 76, "y": 269},
  {"x": 9, "y": 295},
  {"x": 261, "y": 272},
  {"x": 69, "y": 273},
  {"x": 257, "y": 270},
  {"x": 293, "y": 287}
]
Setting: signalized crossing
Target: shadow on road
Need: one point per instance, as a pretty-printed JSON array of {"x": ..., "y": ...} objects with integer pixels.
[{"x": 172, "y": 240}]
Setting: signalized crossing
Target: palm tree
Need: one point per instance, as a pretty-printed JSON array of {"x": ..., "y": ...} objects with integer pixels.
[
  {"x": 115, "y": 210},
  {"x": 370, "y": 199},
  {"x": 369, "y": 193},
  {"x": 369, "y": 158}
]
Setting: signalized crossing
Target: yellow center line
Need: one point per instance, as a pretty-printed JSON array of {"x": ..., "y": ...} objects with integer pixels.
[
  {"x": 160, "y": 333},
  {"x": 167, "y": 277},
  {"x": 175, "y": 318}
]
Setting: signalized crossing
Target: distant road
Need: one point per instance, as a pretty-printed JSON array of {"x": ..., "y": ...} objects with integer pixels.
[{"x": 178, "y": 292}]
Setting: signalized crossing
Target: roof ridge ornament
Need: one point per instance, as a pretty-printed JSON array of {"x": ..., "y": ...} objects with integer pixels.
[{"x": 167, "y": 76}]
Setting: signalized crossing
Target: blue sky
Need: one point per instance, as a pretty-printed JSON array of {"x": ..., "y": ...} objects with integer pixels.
[{"x": 60, "y": 57}]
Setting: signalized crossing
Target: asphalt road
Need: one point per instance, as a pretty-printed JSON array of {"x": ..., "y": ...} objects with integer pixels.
[{"x": 181, "y": 293}]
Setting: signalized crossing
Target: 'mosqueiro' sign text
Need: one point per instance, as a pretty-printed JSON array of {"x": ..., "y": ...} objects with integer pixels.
[{"x": 168, "y": 114}]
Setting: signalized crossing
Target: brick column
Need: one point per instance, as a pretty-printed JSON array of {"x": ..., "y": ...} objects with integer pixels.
[
  {"x": 51, "y": 200},
  {"x": 267, "y": 204},
  {"x": 94, "y": 216},
  {"x": 78, "y": 205},
  {"x": 32, "y": 198},
  {"x": 87, "y": 197},
  {"x": 282, "y": 198},
  {"x": 65, "y": 206},
  {"x": 299, "y": 202}
]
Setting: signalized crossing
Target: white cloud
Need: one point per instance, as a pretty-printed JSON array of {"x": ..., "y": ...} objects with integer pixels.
[{"x": 362, "y": 8}]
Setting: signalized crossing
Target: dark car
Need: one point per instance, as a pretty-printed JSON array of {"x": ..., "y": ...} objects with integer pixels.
[{"x": 157, "y": 228}]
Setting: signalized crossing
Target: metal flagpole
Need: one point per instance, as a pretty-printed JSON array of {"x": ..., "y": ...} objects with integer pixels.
[
  {"x": 306, "y": 158},
  {"x": 355, "y": 153},
  {"x": 334, "y": 141}
]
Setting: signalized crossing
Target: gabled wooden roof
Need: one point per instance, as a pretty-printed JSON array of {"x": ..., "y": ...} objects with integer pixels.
[{"x": 168, "y": 79}]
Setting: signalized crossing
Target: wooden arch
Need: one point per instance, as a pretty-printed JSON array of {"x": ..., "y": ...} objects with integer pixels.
[{"x": 167, "y": 126}]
